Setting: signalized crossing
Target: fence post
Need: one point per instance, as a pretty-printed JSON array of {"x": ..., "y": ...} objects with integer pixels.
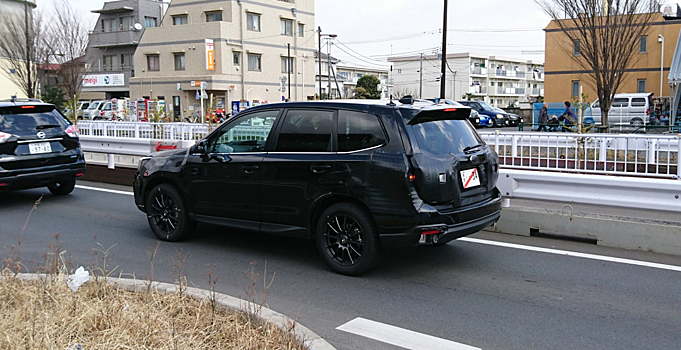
[
  {"x": 137, "y": 130},
  {"x": 652, "y": 148},
  {"x": 603, "y": 152},
  {"x": 514, "y": 144},
  {"x": 496, "y": 141}
]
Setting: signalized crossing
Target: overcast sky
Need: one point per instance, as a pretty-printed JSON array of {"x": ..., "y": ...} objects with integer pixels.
[{"x": 372, "y": 29}]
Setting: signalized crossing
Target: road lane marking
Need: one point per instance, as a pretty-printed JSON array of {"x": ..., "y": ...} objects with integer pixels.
[
  {"x": 399, "y": 336},
  {"x": 574, "y": 254},
  {"x": 104, "y": 190}
]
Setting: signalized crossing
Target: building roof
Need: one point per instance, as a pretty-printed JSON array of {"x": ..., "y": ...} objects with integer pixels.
[
  {"x": 325, "y": 57},
  {"x": 461, "y": 55}
]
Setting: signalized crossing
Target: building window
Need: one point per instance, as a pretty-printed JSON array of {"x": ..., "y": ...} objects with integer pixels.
[
  {"x": 109, "y": 25},
  {"x": 127, "y": 61},
  {"x": 359, "y": 75},
  {"x": 575, "y": 88},
  {"x": 153, "y": 63},
  {"x": 179, "y": 20},
  {"x": 149, "y": 22},
  {"x": 214, "y": 16},
  {"x": 254, "y": 62},
  {"x": 179, "y": 61},
  {"x": 108, "y": 62},
  {"x": 287, "y": 64},
  {"x": 236, "y": 57},
  {"x": 643, "y": 44},
  {"x": 641, "y": 85},
  {"x": 253, "y": 22},
  {"x": 126, "y": 22},
  {"x": 576, "y": 49},
  {"x": 301, "y": 30},
  {"x": 287, "y": 27}
]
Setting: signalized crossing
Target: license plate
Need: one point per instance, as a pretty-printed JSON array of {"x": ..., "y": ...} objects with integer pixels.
[
  {"x": 39, "y": 147},
  {"x": 470, "y": 178}
]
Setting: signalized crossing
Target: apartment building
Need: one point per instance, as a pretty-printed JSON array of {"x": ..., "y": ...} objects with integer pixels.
[
  {"x": 650, "y": 62},
  {"x": 240, "y": 49},
  {"x": 343, "y": 77},
  {"x": 496, "y": 80},
  {"x": 112, "y": 45},
  {"x": 12, "y": 10}
]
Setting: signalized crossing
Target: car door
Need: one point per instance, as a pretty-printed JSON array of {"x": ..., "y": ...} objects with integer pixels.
[
  {"x": 638, "y": 110},
  {"x": 224, "y": 179},
  {"x": 298, "y": 170},
  {"x": 618, "y": 109}
]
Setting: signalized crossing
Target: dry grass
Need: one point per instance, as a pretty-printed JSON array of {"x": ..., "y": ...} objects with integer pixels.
[{"x": 46, "y": 314}]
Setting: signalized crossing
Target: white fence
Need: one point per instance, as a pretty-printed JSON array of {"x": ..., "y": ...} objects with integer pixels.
[
  {"x": 630, "y": 154},
  {"x": 142, "y": 130}
]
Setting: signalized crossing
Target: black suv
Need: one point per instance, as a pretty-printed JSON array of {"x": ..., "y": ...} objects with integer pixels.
[
  {"x": 353, "y": 175},
  {"x": 38, "y": 147}
]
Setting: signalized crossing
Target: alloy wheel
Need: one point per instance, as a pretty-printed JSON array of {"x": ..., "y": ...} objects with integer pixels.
[
  {"x": 344, "y": 240},
  {"x": 165, "y": 213}
]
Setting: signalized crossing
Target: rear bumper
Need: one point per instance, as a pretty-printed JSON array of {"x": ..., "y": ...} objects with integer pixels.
[
  {"x": 443, "y": 227},
  {"x": 41, "y": 177}
]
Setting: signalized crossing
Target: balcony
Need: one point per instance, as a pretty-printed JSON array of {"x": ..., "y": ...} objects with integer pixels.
[
  {"x": 479, "y": 71},
  {"x": 477, "y": 90},
  {"x": 510, "y": 91},
  {"x": 510, "y": 74},
  {"x": 101, "y": 39},
  {"x": 536, "y": 92}
]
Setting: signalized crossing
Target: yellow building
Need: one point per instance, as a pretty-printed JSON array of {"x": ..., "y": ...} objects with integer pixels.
[{"x": 563, "y": 75}]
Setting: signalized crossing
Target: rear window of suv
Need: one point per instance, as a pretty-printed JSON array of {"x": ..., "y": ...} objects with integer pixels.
[
  {"x": 30, "y": 118},
  {"x": 441, "y": 137}
]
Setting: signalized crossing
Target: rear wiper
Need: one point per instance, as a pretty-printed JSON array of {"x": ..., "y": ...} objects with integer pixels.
[
  {"x": 470, "y": 148},
  {"x": 47, "y": 126}
]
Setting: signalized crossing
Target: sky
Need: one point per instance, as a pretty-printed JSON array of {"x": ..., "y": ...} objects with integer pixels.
[{"x": 369, "y": 31}]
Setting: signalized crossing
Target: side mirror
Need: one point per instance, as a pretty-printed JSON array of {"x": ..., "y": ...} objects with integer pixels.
[{"x": 202, "y": 146}]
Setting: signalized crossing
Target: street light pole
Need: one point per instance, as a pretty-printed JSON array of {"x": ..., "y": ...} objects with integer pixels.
[
  {"x": 289, "y": 66},
  {"x": 660, "y": 39},
  {"x": 319, "y": 58},
  {"x": 443, "y": 75}
]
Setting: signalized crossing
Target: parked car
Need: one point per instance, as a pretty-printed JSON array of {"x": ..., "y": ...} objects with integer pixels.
[
  {"x": 498, "y": 118},
  {"x": 475, "y": 118},
  {"x": 38, "y": 147},
  {"x": 93, "y": 109},
  {"x": 513, "y": 119},
  {"x": 631, "y": 109},
  {"x": 82, "y": 106},
  {"x": 354, "y": 175}
]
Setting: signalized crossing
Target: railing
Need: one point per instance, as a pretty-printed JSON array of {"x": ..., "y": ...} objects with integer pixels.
[
  {"x": 161, "y": 131},
  {"x": 478, "y": 71},
  {"x": 628, "y": 155},
  {"x": 477, "y": 89}
]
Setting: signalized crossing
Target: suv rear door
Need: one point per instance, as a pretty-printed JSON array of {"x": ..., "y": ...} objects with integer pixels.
[{"x": 298, "y": 170}]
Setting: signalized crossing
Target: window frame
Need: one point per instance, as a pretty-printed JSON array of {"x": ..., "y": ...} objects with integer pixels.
[
  {"x": 158, "y": 62},
  {"x": 572, "y": 88},
  {"x": 638, "y": 85},
  {"x": 286, "y": 26},
  {"x": 250, "y": 24},
  {"x": 215, "y": 15},
  {"x": 577, "y": 47},
  {"x": 333, "y": 145},
  {"x": 236, "y": 58},
  {"x": 271, "y": 137},
  {"x": 301, "y": 30},
  {"x": 259, "y": 69},
  {"x": 290, "y": 64},
  {"x": 148, "y": 19},
  {"x": 176, "y": 17},
  {"x": 183, "y": 60},
  {"x": 643, "y": 44},
  {"x": 336, "y": 132}
]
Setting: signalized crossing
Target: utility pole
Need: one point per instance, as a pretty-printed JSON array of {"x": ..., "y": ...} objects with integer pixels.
[
  {"x": 421, "y": 78},
  {"x": 444, "y": 54},
  {"x": 289, "y": 67},
  {"x": 328, "y": 55},
  {"x": 30, "y": 91},
  {"x": 319, "y": 57}
]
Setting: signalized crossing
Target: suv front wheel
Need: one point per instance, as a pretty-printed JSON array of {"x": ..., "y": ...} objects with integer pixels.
[
  {"x": 167, "y": 215},
  {"x": 347, "y": 239}
]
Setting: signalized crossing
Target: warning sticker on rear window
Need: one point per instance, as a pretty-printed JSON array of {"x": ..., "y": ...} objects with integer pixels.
[{"x": 470, "y": 178}]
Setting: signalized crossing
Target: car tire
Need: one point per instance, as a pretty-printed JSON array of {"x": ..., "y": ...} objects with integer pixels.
[
  {"x": 335, "y": 230},
  {"x": 167, "y": 214},
  {"x": 62, "y": 188},
  {"x": 494, "y": 123},
  {"x": 637, "y": 122}
]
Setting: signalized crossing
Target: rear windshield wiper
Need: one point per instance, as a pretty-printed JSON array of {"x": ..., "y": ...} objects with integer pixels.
[
  {"x": 47, "y": 126},
  {"x": 470, "y": 148}
]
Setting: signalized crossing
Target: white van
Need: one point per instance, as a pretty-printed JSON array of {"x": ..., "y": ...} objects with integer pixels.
[{"x": 631, "y": 108}]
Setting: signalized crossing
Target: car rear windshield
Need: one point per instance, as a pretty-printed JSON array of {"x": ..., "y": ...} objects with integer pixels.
[
  {"x": 30, "y": 118},
  {"x": 445, "y": 136}
]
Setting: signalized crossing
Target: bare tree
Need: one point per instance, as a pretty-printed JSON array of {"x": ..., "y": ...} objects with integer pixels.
[
  {"x": 68, "y": 35},
  {"x": 23, "y": 47},
  {"x": 604, "y": 35}
]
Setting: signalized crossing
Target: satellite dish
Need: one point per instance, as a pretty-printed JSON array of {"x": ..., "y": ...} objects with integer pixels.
[{"x": 137, "y": 26}]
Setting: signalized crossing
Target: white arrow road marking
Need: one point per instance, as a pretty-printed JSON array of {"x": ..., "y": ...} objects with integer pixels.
[
  {"x": 399, "y": 336},
  {"x": 104, "y": 190}
]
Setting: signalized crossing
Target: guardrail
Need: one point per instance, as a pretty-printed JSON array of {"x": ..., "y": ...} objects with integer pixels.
[
  {"x": 144, "y": 130},
  {"x": 629, "y": 155}
]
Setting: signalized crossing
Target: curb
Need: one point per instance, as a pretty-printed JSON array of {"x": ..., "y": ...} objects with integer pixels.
[{"x": 310, "y": 338}]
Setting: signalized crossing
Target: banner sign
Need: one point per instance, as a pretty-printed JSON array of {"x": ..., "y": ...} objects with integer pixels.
[
  {"x": 210, "y": 55},
  {"x": 97, "y": 80}
]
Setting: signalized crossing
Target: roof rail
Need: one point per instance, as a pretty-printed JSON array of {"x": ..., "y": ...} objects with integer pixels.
[
  {"x": 407, "y": 100},
  {"x": 15, "y": 99}
]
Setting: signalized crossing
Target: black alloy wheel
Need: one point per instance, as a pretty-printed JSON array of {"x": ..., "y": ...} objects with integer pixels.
[
  {"x": 167, "y": 215},
  {"x": 347, "y": 239},
  {"x": 62, "y": 188}
]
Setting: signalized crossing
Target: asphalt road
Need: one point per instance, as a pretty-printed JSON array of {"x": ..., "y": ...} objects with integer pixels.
[{"x": 486, "y": 296}]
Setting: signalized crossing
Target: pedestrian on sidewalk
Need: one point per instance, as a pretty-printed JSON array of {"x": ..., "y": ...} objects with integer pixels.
[
  {"x": 543, "y": 117},
  {"x": 568, "y": 117}
]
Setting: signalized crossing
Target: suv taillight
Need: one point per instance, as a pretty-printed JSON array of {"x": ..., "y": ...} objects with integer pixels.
[
  {"x": 4, "y": 136},
  {"x": 648, "y": 111},
  {"x": 72, "y": 131}
]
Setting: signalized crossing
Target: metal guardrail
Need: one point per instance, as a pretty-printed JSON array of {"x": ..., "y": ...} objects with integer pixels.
[
  {"x": 628, "y": 155},
  {"x": 144, "y": 130}
]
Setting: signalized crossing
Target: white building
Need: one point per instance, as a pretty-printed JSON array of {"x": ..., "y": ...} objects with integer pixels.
[
  {"x": 12, "y": 9},
  {"x": 343, "y": 77},
  {"x": 498, "y": 81}
]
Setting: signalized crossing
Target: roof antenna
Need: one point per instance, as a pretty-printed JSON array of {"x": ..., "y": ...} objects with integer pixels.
[
  {"x": 14, "y": 97},
  {"x": 391, "y": 101}
]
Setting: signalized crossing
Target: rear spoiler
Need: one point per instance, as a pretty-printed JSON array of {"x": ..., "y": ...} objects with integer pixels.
[{"x": 449, "y": 113}]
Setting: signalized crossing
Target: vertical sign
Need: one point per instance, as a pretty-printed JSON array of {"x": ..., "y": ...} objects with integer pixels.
[{"x": 210, "y": 55}]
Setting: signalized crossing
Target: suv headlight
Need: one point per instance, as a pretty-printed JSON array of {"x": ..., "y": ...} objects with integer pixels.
[{"x": 142, "y": 162}]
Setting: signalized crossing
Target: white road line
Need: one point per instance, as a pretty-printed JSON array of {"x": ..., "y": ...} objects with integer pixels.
[
  {"x": 104, "y": 190},
  {"x": 574, "y": 254},
  {"x": 399, "y": 336}
]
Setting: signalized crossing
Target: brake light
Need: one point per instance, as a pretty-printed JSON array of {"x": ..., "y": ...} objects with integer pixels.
[
  {"x": 72, "y": 131},
  {"x": 80, "y": 174},
  {"x": 3, "y": 184},
  {"x": 450, "y": 110},
  {"x": 648, "y": 111},
  {"x": 4, "y": 136},
  {"x": 412, "y": 177},
  {"x": 430, "y": 232},
  {"x": 27, "y": 107}
]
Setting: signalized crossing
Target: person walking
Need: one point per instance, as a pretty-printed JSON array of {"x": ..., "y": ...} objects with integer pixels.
[
  {"x": 568, "y": 117},
  {"x": 543, "y": 117}
]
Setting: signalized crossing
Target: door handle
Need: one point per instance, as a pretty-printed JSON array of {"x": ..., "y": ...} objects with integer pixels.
[
  {"x": 318, "y": 169},
  {"x": 248, "y": 169},
  {"x": 195, "y": 171}
]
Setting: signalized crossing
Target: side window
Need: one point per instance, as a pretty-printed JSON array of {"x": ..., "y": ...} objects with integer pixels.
[
  {"x": 248, "y": 133},
  {"x": 596, "y": 104},
  {"x": 357, "y": 131},
  {"x": 638, "y": 102},
  {"x": 305, "y": 131},
  {"x": 620, "y": 102}
]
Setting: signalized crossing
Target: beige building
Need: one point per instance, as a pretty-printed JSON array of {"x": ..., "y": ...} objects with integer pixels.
[
  {"x": 248, "y": 62},
  {"x": 12, "y": 9},
  {"x": 564, "y": 75}
]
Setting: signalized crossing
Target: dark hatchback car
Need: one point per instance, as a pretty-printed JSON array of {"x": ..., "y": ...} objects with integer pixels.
[
  {"x": 39, "y": 147},
  {"x": 499, "y": 117},
  {"x": 355, "y": 176}
]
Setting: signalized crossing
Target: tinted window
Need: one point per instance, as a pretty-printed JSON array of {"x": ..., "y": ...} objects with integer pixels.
[
  {"x": 445, "y": 136},
  {"x": 14, "y": 120},
  {"x": 305, "y": 131},
  {"x": 248, "y": 133},
  {"x": 620, "y": 102},
  {"x": 638, "y": 102},
  {"x": 358, "y": 131}
]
